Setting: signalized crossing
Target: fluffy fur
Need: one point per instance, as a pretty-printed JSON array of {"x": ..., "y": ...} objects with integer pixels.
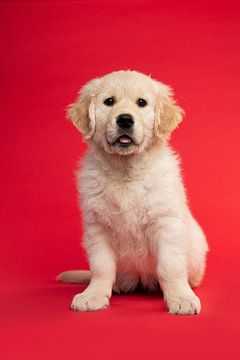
[{"x": 138, "y": 226}]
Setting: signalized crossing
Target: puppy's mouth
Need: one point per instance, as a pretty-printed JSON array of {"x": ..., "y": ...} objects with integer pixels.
[{"x": 123, "y": 141}]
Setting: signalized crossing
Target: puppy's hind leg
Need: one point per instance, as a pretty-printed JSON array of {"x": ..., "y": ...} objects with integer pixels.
[
  {"x": 197, "y": 268},
  {"x": 197, "y": 256}
]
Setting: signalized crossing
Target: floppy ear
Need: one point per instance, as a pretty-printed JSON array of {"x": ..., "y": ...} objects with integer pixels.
[
  {"x": 82, "y": 112},
  {"x": 168, "y": 114}
]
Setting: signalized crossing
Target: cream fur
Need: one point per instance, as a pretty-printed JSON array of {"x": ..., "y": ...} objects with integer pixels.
[{"x": 138, "y": 226}]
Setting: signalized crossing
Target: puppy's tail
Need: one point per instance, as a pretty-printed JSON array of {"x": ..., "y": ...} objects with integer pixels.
[{"x": 75, "y": 276}]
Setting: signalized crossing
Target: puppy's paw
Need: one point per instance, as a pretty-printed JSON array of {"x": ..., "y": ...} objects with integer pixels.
[
  {"x": 90, "y": 301},
  {"x": 184, "y": 305}
]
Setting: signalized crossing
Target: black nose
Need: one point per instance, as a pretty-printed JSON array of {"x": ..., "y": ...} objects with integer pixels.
[{"x": 125, "y": 121}]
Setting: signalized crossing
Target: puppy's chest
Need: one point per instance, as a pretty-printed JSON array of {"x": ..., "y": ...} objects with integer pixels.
[{"x": 124, "y": 207}]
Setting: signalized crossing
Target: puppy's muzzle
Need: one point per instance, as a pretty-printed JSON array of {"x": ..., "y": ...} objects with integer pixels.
[{"x": 125, "y": 121}]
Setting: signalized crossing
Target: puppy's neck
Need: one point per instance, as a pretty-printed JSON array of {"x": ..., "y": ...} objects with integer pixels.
[{"x": 126, "y": 165}]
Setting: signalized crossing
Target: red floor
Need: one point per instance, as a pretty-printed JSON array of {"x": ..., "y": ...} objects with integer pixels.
[{"x": 48, "y": 50}]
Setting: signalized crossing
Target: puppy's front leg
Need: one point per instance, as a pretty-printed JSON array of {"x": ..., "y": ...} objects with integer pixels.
[
  {"x": 172, "y": 268},
  {"x": 103, "y": 271}
]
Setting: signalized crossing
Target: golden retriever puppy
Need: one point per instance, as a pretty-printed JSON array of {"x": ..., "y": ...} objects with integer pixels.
[{"x": 138, "y": 226}]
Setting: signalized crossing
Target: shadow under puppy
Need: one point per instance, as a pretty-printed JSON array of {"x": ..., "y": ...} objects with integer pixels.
[{"x": 138, "y": 227}]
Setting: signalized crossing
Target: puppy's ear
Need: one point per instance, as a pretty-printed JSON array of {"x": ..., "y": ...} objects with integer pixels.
[
  {"x": 168, "y": 115},
  {"x": 82, "y": 112}
]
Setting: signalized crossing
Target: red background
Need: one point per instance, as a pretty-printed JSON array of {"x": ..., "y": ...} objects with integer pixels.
[{"x": 48, "y": 51}]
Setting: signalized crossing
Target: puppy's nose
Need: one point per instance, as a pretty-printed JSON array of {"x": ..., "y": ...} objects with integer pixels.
[{"x": 125, "y": 121}]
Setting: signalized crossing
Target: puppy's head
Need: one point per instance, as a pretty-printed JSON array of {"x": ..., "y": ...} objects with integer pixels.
[{"x": 125, "y": 112}]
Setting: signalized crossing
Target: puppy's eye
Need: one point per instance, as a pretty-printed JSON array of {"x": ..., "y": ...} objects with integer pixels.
[
  {"x": 109, "y": 101},
  {"x": 141, "y": 102}
]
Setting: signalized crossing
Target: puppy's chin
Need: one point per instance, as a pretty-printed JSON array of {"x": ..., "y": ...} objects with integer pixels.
[
  {"x": 119, "y": 149},
  {"x": 114, "y": 148},
  {"x": 124, "y": 149}
]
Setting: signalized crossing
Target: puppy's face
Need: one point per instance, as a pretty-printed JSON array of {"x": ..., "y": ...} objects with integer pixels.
[{"x": 125, "y": 112}]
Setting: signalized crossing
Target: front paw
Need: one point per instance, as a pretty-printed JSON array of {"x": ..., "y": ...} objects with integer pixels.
[
  {"x": 90, "y": 301},
  {"x": 184, "y": 304}
]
